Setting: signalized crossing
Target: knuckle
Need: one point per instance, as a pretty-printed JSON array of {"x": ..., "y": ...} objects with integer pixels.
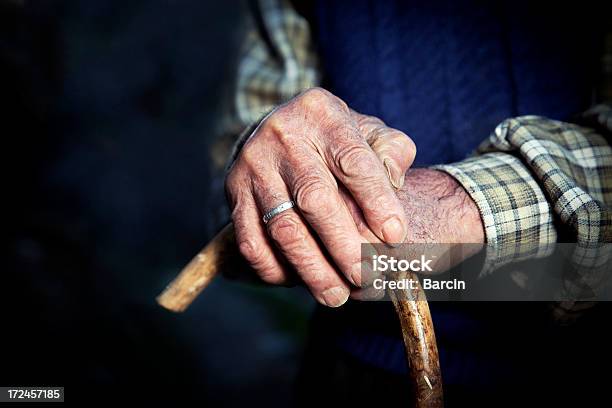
[
  {"x": 315, "y": 98},
  {"x": 409, "y": 146},
  {"x": 354, "y": 160},
  {"x": 261, "y": 261},
  {"x": 397, "y": 136},
  {"x": 322, "y": 102},
  {"x": 314, "y": 197},
  {"x": 263, "y": 264},
  {"x": 276, "y": 123},
  {"x": 390, "y": 137},
  {"x": 250, "y": 153},
  {"x": 286, "y": 230},
  {"x": 255, "y": 159},
  {"x": 253, "y": 252},
  {"x": 279, "y": 127}
]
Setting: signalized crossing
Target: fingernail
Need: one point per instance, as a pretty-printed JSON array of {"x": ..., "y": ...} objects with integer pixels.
[
  {"x": 334, "y": 297},
  {"x": 357, "y": 274},
  {"x": 393, "y": 231},
  {"x": 401, "y": 181},
  {"x": 395, "y": 174},
  {"x": 367, "y": 274}
]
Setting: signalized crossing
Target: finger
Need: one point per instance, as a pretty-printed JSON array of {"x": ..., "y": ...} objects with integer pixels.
[
  {"x": 394, "y": 148},
  {"x": 253, "y": 242},
  {"x": 358, "y": 168},
  {"x": 296, "y": 242},
  {"x": 357, "y": 216},
  {"x": 316, "y": 195},
  {"x": 368, "y": 249}
]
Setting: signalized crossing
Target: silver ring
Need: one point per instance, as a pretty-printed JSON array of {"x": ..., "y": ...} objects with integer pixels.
[{"x": 277, "y": 210}]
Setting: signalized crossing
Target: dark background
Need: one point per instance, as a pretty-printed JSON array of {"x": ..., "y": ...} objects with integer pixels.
[{"x": 109, "y": 110}]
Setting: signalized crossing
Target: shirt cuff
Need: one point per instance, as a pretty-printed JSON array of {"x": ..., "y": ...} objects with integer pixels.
[{"x": 517, "y": 218}]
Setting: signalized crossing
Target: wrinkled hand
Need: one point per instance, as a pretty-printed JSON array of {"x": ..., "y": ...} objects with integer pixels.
[
  {"x": 437, "y": 207},
  {"x": 305, "y": 150},
  {"x": 439, "y": 211}
]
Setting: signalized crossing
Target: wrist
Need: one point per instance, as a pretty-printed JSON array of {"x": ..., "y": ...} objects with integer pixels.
[{"x": 439, "y": 209}]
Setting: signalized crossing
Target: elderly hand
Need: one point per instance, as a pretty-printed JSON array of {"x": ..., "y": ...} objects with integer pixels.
[
  {"x": 439, "y": 211},
  {"x": 305, "y": 151}
]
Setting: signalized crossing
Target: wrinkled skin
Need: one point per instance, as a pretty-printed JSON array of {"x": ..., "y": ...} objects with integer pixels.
[
  {"x": 346, "y": 173},
  {"x": 439, "y": 211}
]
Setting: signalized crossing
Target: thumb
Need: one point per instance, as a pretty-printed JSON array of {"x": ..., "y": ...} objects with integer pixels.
[{"x": 394, "y": 148}]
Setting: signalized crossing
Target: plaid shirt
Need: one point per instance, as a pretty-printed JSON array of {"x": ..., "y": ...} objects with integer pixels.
[{"x": 533, "y": 180}]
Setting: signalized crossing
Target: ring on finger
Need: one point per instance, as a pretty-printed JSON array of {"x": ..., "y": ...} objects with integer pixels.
[{"x": 277, "y": 210}]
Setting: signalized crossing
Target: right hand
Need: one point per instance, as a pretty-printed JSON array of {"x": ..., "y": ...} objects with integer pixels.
[{"x": 305, "y": 151}]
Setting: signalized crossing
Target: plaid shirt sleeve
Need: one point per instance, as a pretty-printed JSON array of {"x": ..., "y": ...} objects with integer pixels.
[
  {"x": 534, "y": 180},
  {"x": 277, "y": 61},
  {"x": 537, "y": 181}
]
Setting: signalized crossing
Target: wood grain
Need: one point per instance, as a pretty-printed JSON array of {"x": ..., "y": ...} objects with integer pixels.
[
  {"x": 411, "y": 307},
  {"x": 198, "y": 274},
  {"x": 420, "y": 344}
]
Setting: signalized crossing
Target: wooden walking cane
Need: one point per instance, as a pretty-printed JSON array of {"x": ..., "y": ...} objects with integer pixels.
[{"x": 411, "y": 307}]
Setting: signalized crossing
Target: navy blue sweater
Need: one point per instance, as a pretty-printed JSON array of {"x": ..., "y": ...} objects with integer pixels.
[{"x": 446, "y": 73}]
